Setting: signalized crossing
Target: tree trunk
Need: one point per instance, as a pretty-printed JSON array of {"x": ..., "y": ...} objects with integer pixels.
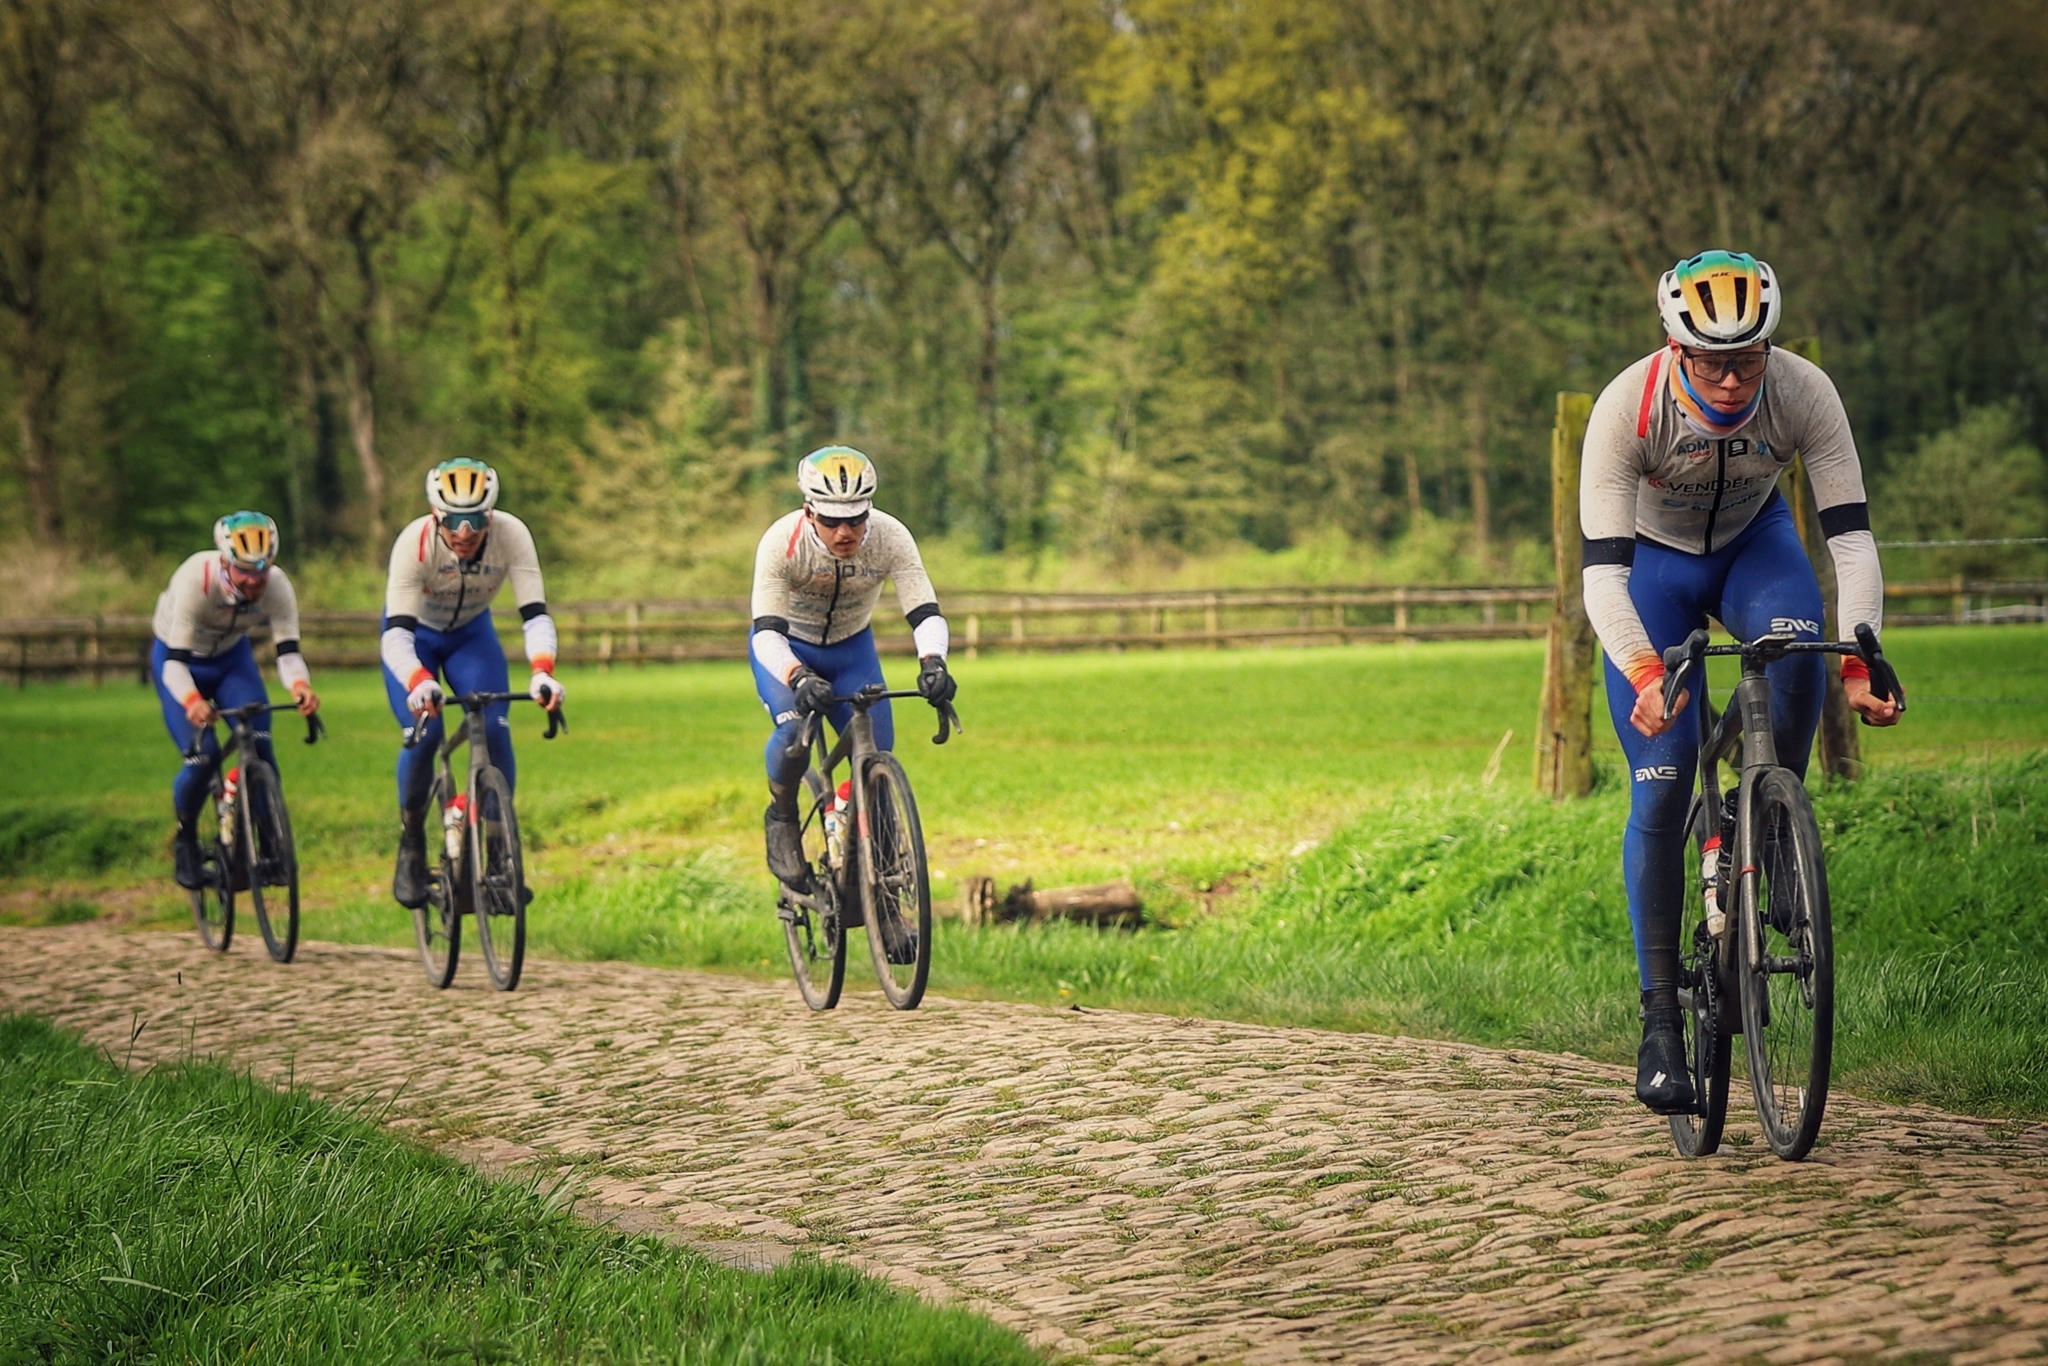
[
  {"x": 39, "y": 378},
  {"x": 995, "y": 490},
  {"x": 1841, "y": 747},
  {"x": 765, "y": 303},
  {"x": 1475, "y": 431},
  {"x": 1564, "y": 733},
  {"x": 361, "y": 366}
]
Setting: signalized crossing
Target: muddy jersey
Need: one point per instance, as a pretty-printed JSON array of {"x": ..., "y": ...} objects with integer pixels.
[
  {"x": 1649, "y": 474},
  {"x": 429, "y": 586},
  {"x": 803, "y": 592}
]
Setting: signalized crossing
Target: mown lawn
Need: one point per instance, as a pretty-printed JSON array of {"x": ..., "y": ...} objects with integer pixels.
[
  {"x": 191, "y": 1214},
  {"x": 1316, "y": 826}
]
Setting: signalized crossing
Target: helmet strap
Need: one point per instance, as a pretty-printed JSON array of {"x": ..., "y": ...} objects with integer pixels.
[{"x": 1711, "y": 421}]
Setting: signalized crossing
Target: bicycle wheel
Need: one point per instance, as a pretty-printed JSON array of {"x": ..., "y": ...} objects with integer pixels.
[
  {"x": 438, "y": 924},
  {"x": 213, "y": 901},
  {"x": 815, "y": 935},
  {"x": 896, "y": 887},
  {"x": 1701, "y": 981},
  {"x": 1788, "y": 998},
  {"x": 496, "y": 878},
  {"x": 267, "y": 840}
]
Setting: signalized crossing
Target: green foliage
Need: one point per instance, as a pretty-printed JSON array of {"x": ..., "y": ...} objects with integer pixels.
[
  {"x": 1981, "y": 479},
  {"x": 191, "y": 1214}
]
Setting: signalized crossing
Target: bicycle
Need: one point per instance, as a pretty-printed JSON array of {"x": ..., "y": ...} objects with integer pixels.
[
  {"x": 475, "y": 867},
  {"x": 1756, "y": 950},
  {"x": 893, "y": 897},
  {"x": 249, "y": 806}
]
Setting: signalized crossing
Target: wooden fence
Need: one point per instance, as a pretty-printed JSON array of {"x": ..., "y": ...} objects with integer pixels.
[{"x": 670, "y": 630}]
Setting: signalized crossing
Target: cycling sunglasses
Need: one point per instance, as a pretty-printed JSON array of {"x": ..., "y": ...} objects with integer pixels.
[
  {"x": 465, "y": 521},
  {"x": 834, "y": 523},
  {"x": 1709, "y": 366}
]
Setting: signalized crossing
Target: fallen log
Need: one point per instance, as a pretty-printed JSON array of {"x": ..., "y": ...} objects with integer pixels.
[{"x": 1103, "y": 903}]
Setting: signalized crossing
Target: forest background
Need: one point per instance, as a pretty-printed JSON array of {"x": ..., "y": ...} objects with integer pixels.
[{"x": 1113, "y": 290}]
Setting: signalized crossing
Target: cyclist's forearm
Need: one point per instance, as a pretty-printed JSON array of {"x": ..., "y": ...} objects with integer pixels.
[
  {"x": 1859, "y": 588},
  {"x": 1614, "y": 617},
  {"x": 539, "y": 629},
  {"x": 178, "y": 680},
  {"x": 929, "y": 630},
  {"x": 771, "y": 650},
  {"x": 291, "y": 665},
  {"x": 400, "y": 655}
]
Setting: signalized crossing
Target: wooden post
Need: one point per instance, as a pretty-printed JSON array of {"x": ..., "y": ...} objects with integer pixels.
[
  {"x": 1841, "y": 749},
  {"x": 974, "y": 635},
  {"x": 1401, "y": 615},
  {"x": 1017, "y": 619},
  {"x": 1210, "y": 622},
  {"x": 1564, "y": 732},
  {"x": 633, "y": 629}
]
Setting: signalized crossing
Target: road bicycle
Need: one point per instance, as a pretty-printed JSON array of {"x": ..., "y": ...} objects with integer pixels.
[
  {"x": 251, "y": 850},
  {"x": 474, "y": 865},
  {"x": 865, "y": 851},
  {"x": 1756, "y": 940}
]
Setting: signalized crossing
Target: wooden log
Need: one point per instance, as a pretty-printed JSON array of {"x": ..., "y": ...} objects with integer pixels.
[
  {"x": 1564, "y": 731},
  {"x": 1103, "y": 903}
]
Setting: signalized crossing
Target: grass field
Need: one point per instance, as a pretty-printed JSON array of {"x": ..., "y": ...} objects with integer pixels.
[
  {"x": 191, "y": 1214},
  {"x": 1316, "y": 826}
]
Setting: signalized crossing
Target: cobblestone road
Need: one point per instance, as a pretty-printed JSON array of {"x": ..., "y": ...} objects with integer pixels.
[{"x": 1137, "y": 1187}]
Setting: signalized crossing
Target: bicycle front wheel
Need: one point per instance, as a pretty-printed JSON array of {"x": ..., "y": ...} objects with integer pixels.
[
  {"x": 273, "y": 864},
  {"x": 1787, "y": 966},
  {"x": 497, "y": 880},
  {"x": 1702, "y": 980},
  {"x": 437, "y": 925},
  {"x": 896, "y": 886},
  {"x": 213, "y": 901}
]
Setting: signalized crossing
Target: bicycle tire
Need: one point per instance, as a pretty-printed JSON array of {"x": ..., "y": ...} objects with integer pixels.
[
  {"x": 895, "y": 883},
  {"x": 267, "y": 843},
  {"x": 437, "y": 925},
  {"x": 213, "y": 902},
  {"x": 815, "y": 936},
  {"x": 497, "y": 877},
  {"x": 1702, "y": 978},
  {"x": 1788, "y": 1007}
]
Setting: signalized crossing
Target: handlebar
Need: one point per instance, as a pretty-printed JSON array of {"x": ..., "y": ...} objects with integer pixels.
[
  {"x": 558, "y": 721},
  {"x": 862, "y": 700},
  {"x": 1680, "y": 660},
  {"x": 249, "y": 711}
]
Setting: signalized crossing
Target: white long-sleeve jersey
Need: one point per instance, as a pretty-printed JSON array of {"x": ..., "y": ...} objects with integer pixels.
[
  {"x": 803, "y": 592},
  {"x": 199, "y": 616},
  {"x": 428, "y": 585}
]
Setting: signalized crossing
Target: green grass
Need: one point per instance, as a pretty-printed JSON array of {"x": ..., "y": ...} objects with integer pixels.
[
  {"x": 191, "y": 1214},
  {"x": 1314, "y": 825}
]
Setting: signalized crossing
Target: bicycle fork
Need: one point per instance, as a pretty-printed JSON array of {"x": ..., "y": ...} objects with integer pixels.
[{"x": 1759, "y": 755}]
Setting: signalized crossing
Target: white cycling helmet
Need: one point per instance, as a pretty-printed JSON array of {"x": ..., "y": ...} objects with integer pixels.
[
  {"x": 462, "y": 485},
  {"x": 246, "y": 540},
  {"x": 1719, "y": 301},
  {"x": 837, "y": 481}
]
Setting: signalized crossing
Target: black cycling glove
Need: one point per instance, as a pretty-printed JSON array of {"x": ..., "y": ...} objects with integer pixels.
[
  {"x": 934, "y": 684},
  {"x": 813, "y": 693}
]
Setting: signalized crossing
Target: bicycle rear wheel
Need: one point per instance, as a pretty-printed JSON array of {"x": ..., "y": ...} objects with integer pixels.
[
  {"x": 896, "y": 888},
  {"x": 1701, "y": 981},
  {"x": 437, "y": 925},
  {"x": 1788, "y": 998},
  {"x": 497, "y": 878},
  {"x": 273, "y": 864},
  {"x": 815, "y": 935},
  {"x": 213, "y": 901}
]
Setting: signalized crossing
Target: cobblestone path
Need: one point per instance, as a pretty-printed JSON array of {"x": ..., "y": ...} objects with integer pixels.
[{"x": 1137, "y": 1187}]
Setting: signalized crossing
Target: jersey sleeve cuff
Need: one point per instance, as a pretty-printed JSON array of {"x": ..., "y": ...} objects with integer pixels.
[
  {"x": 1645, "y": 671},
  {"x": 1854, "y": 667},
  {"x": 419, "y": 676}
]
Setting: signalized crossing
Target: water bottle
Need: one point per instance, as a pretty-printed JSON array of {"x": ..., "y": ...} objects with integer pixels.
[
  {"x": 451, "y": 826},
  {"x": 835, "y": 826},
  {"x": 228, "y": 785},
  {"x": 1710, "y": 883}
]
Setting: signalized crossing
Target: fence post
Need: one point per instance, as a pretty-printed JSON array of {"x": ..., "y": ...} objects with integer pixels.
[
  {"x": 1017, "y": 619},
  {"x": 1564, "y": 732},
  {"x": 633, "y": 629},
  {"x": 1841, "y": 750},
  {"x": 1962, "y": 601},
  {"x": 1401, "y": 614},
  {"x": 974, "y": 635}
]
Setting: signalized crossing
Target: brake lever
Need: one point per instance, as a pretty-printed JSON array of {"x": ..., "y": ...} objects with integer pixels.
[
  {"x": 1884, "y": 680},
  {"x": 315, "y": 728},
  {"x": 557, "y": 722},
  {"x": 1678, "y": 662},
  {"x": 949, "y": 722}
]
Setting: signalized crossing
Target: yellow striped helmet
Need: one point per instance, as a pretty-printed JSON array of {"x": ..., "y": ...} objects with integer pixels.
[
  {"x": 1719, "y": 301},
  {"x": 247, "y": 540},
  {"x": 837, "y": 480},
  {"x": 462, "y": 485}
]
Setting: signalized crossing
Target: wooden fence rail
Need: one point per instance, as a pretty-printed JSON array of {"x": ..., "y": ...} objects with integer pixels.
[{"x": 674, "y": 629}]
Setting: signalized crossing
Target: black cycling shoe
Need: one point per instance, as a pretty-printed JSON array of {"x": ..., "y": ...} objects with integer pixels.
[
  {"x": 409, "y": 882},
  {"x": 188, "y": 860},
  {"x": 1663, "y": 1080},
  {"x": 786, "y": 849}
]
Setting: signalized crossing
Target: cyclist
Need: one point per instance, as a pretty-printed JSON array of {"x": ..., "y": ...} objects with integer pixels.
[
  {"x": 445, "y": 569},
  {"x": 1683, "y": 520},
  {"x": 817, "y": 575},
  {"x": 201, "y": 658}
]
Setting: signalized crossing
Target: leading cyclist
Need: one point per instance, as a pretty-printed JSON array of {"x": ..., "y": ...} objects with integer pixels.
[
  {"x": 201, "y": 658},
  {"x": 817, "y": 575},
  {"x": 445, "y": 569},
  {"x": 1683, "y": 520}
]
